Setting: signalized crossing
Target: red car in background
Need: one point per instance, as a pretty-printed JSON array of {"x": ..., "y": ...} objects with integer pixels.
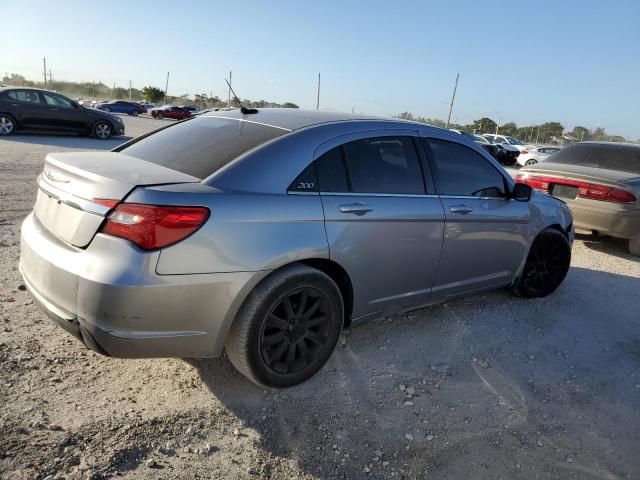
[{"x": 169, "y": 111}]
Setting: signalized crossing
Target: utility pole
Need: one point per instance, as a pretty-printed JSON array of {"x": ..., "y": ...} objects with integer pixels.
[
  {"x": 166, "y": 87},
  {"x": 129, "y": 89},
  {"x": 94, "y": 90},
  {"x": 453, "y": 97},
  {"x": 229, "y": 97},
  {"x": 50, "y": 78},
  {"x": 498, "y": 124},
  {"x": 44, "y": 71},
  {"x": 318, "y": 98}
]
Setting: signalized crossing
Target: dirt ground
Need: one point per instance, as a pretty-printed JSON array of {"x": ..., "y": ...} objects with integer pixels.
[{"x": 489, "y": 386}]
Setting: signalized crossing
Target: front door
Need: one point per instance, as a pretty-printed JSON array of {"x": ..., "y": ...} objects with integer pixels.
[
  {"x": 61, "y": 114},
  {"x": 383, "y": 225},
  {"x": 485, "y": 238}
]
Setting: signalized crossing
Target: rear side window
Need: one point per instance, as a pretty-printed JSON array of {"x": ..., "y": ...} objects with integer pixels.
[
  {"x": 331, "y": 171},
  {"x": 24, "y": 96},
  {"x": 384, "y": 165},
  {"x": 611, "y": 157},
  {"x": 462, "y": 171},
  {"x": 201, "y": 146}
]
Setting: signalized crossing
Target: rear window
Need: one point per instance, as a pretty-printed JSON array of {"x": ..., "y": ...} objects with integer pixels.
[
  {"x": 201, "y": 146},
  {"x": 611, "y": 157}
]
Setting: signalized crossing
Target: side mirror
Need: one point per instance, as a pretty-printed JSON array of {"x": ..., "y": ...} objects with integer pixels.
[{"x": 521, "y": 192}]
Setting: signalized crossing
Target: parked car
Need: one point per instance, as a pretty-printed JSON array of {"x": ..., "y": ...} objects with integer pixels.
[
  {"x": 505, "y": 156},
  {"x": 535, "y": 155},
  {"x": 246, "y": 233},
  {"x": 192, "y": 110},
  {"x": 121, "y": 106},
  {"x": 147, "y": 106},
  {"x": 31, "y": 109},
  {"x": 507, "y": 142},
  {"x": 600, "y": 182},
  {"x": 170, "y": 111}
]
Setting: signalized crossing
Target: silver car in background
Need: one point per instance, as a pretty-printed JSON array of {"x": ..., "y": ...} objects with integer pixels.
[{"x": 265, "y": 234}]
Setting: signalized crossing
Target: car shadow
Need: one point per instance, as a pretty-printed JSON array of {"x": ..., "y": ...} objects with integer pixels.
[
  {"x": 479, "y": 367},
  {"x": 68, "y": 141},
  {"x": 610, "y": 245}
]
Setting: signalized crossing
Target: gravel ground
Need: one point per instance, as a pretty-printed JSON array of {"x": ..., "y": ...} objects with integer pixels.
[{"x": 488, "y": 386}]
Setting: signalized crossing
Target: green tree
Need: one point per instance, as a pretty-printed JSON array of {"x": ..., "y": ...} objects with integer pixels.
[
  {"x": 484, "y": 125},
  {"x": 509, "y": 128},
  {"x": 152, "y": 94},
  {"x": 580, "y": 133},
  {"x": 289, "y": 105}
]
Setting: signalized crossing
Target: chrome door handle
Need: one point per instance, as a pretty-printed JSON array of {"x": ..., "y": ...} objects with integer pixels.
[
  {"x": 357, "y": 208},
  {"x": 462, "y": 209}
]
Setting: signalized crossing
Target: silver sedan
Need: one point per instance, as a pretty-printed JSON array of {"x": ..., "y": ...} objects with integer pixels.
[{"x": 267, "y": 233}]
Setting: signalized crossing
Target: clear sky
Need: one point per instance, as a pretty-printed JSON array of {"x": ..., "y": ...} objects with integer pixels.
[{"x": 577, "y": 62}]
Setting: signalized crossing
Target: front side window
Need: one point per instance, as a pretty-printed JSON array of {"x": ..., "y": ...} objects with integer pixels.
[
  {"x": 24, "y": 96},
  {"x": 56, "y": 101},
  {"x": 462, "y": 171},
  {"x": 384, "y": 165}
]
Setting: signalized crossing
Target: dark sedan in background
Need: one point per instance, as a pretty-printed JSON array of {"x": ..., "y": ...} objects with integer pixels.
[
  {"x": 170, "y": 111},
  {"x": 122, "y": 106},
  {"x": 30, "y": 109},
  {"x": 600, "y": 181}
]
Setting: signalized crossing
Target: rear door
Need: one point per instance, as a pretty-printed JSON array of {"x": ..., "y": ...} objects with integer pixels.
[
  {"x": 383, "y": 224},
  {"x": 28, "y": 107},
  {"x": 485, "y": 238}
]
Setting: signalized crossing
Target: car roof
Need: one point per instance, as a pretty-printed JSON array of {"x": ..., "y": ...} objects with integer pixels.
[
  {"x": 611, "y": 144},
  {"x": 294, "y": 119}
]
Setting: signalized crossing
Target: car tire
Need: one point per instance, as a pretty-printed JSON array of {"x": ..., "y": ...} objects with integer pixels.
[
  {"x": 159, "y": 115},
  {"x": 530, "y": 162},
  {"x": 287, "y": 328},
  {"x": 135, "y": 113},
  {"x": 107, "y": 109},
  {"x": 102, "y": 130},
  {"x": 546, "y": 266},
  {"x": 634, "y": 246},
  {"x": 7, "y": 124}
]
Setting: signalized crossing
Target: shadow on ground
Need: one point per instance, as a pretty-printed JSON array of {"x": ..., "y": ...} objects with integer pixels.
[
  {"x": 68, "y": 141},
  {"x": 502, "y": 387},
  {"x": 612, "y": 246}
]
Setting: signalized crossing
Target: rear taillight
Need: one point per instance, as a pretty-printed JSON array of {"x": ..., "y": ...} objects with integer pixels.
[
  {"x": 154, "y": 226},
  {"x": 592, "y": 191},
  {"x": 522, "y": 152}
]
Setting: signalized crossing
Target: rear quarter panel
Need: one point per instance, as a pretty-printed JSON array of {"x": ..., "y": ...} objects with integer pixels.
[{"x": 246, "y": 232}]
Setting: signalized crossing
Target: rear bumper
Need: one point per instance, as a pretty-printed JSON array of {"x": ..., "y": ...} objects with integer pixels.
[
  {"x": 616, "y": 220},
  {"x": 110, "y": 297}
]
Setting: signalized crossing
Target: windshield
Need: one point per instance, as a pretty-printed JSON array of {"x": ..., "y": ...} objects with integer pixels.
[
  {"x": 622, "y": 158},
  {"x": 201, "y": 146},
  {"x": 514, "y": 141}
]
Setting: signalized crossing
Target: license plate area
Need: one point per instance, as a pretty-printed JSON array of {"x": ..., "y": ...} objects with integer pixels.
[{"x": 564, "y": 191}]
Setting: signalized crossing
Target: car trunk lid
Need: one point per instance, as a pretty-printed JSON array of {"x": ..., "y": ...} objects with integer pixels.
[{"x": 77, "y": 190}]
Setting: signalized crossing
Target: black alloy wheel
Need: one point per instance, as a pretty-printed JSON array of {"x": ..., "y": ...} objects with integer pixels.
[
  {"x": 295, "y": 331},
  {"x": 547, "y": 265}
]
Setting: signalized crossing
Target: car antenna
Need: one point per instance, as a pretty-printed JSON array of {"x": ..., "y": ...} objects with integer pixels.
[{"x": 244, "y": 110}]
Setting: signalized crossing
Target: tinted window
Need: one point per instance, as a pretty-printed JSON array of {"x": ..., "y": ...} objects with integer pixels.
[
  {"x": 57, "y": 100},
  {"x": 201, "y": 146},
  {"x": 24, "y": 96},
  {"x": 384, "y": 165},
  {"x": 462, "y": 171},
  {"x": 612, "y": 157},
  {"x": 332, "y": 176}
]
